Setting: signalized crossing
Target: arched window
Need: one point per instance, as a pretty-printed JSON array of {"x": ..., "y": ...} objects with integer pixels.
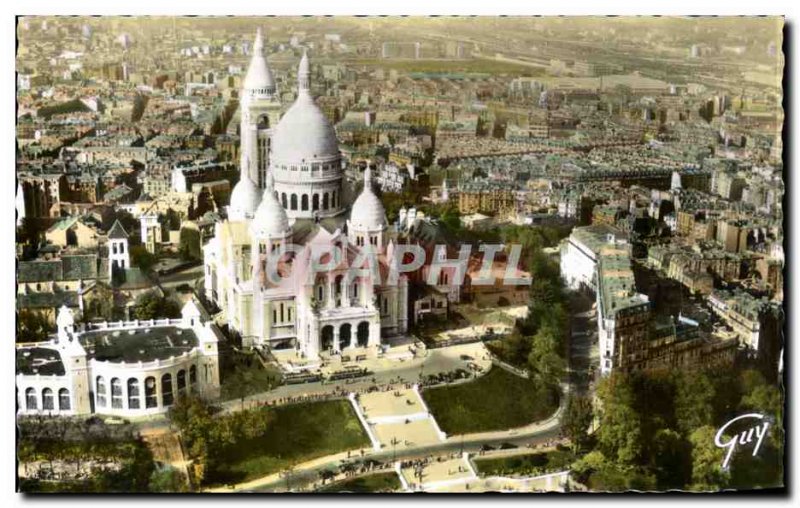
[
  {"x": 166, "y": 390},
  {"x": 64, "y": 403},
  {"x": 100, "y": 391},
  {"x": 116, "y": 393},
  {"x": 133, "y": 393},
  {"x": 47, "y": 399},
  {"x": 304, "y": 202},
  {"x": 315, "y": 202},
  {"x": 325, "y": 202},
  {"x": 193, "y": 375},
  {"x": 294, "y": 202},
  {"x": 150, "y": 397},
  {"x": 283, "y": 200},
  {"x": 181, "y": 382},
  {"x": 30, "y": 399}
]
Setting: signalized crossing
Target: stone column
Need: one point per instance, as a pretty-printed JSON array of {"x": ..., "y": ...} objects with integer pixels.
[
  {"x": 159, "y": 400},
  {"x": 312, "y": 345},
  {"x": 345, "y": 289},
  {"x": 353, "y": 334},
  {"x": 374, "y": 332},
  {"x": 336, "y": 345},
  {"x": 331, "y": 292}
]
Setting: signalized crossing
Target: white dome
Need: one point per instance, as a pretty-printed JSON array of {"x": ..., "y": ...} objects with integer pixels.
[
  {"x": 245, "y": 199},
  {"x": 368, "y": 211},
  {"x": 259, "y": 76},
  {"x": 303, "y": 134},
  {"x": 271, "y": 218}
]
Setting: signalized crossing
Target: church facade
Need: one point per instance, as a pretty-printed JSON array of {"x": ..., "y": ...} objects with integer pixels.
[{"x": 289, "y": 267}]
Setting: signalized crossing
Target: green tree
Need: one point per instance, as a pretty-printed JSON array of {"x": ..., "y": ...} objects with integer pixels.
[
  {"x": 707, "y": 472},
  {"x": 544, "y": 360},
  {"x": 694, "y": 400},
  {"x": 189, "y": 247},
  {"x": 151, "y": 305},
  {"x": 577, "y": 420},
  {"x": 620, "y": 434},
  {"x": 451, "y": 219},
  {"x": 142, "y": 258},
  {"x": 32, "y": 326},
  {"x": 670, "y": 459},
  {"x": 167, "y": 479}
]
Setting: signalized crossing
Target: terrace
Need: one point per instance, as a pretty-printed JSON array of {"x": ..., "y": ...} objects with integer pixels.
[{"x": 138, "y": 345}]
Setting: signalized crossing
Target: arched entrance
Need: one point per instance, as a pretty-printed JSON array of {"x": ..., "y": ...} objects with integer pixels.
[
  {"x": 345, "y": 332},
  {"x": 327, "y": 337},
  {"x": 362, "y": 335}
]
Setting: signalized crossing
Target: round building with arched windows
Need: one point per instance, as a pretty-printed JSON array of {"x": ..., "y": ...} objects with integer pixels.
[{"x": 125, "y": 368}]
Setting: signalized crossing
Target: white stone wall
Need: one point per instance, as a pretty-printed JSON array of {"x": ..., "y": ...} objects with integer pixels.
[{"x": 578, "y": 264}]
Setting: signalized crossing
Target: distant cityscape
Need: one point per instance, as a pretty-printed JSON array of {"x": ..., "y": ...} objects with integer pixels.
[{"x": 252, "y": 253}]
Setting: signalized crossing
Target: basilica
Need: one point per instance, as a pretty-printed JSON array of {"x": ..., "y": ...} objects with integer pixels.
[{"x": 289, "y": 206}]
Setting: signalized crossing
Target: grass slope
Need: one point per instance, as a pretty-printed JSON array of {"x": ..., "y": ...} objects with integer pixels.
[
  {"x": 529, "y": 464},
  {"x": 379, "y": 482},
  {"x": 497, "y": 401},
  {"x": 296, "y": 433}
]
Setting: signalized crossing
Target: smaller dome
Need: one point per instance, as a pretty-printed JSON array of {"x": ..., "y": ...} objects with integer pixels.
[
  {"x": 368, "y": 211},
  {"x": 271, "y": 218},
  {"x": 259, "y": 76},
  {"x": 245, "y": 199}
]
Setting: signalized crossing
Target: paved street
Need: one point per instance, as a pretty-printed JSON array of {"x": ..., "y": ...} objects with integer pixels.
[{"x": 583, "y": 349}]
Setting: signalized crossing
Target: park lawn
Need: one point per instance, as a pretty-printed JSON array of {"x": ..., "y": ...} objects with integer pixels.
[
  {"x": 499, "y": 400},
  {"x": 296, "y": 433},
  {"x": 378, "y": 482},
  {"x": 528, "y": 464}
]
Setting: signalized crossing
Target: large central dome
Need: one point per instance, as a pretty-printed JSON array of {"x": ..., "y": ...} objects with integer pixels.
[
  {"x": 304, "y": 157},
  {"x": 303, "y": 134}
]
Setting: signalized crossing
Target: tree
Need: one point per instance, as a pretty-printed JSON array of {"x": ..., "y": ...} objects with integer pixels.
[
  {"x": 151, "y": 305},
  {"x": 670, "y": 459},
  {"x": 620, "y": 434},
  {"x": 167, "y": 479},
  {"x": 142, "y": 258},
  {"x": 32, "y": 326},
  {"x": 577, "y": 420},
  {"x": 707, "y": 472},
  {"x": 694, "y": 400},
  {"x": 190, "y": 244},
  {"x": 451, "y": 219},
  {"x": 544, "y": 360}
]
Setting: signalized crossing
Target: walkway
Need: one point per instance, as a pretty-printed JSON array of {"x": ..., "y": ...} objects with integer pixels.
[{"x": 545, "y": 431}]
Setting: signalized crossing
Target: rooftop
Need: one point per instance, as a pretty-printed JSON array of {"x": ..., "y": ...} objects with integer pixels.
[
  {"x": 138, "y": 345},
  {"x": 39, "y": 360}
]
